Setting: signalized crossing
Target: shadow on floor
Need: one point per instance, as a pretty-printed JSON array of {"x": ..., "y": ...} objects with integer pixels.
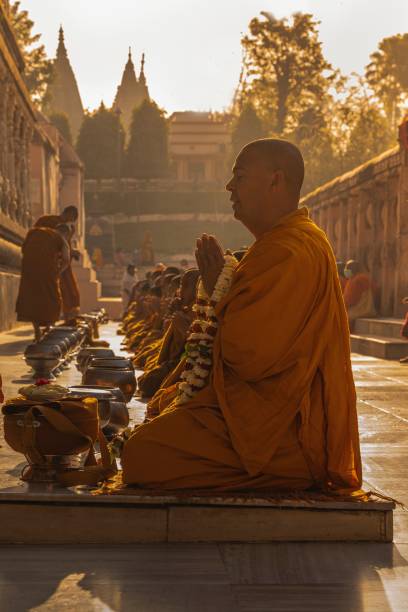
[
  {"x": 14, "y": 348},
  {"x": 193, "y": 578}
]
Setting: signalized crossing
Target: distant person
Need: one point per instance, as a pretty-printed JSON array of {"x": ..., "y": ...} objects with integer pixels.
[
  {"x": 146, "y": 250},
  {"x": 129, "y": 280},
  {"x": 69, "y": 285},
  {"x": 183, "y": 264},
  {"x": 97, "y": 258},
  {"x": 46, "y": 255},
  {"x": 340, "y": 271},
  {"x": 119, "y": 258},
  {"x": 358, "y": 293}
]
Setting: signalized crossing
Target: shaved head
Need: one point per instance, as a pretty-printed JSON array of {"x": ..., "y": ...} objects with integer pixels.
[
  {"x": 265, "y": 186},
  {"x": 280, "y": 155}
]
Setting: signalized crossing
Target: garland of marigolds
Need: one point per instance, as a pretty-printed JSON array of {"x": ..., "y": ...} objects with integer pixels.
[{"x": 200, "y": 340}]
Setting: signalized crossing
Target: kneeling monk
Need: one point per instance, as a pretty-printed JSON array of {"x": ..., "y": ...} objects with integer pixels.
[{"x": 279, "y": 411}]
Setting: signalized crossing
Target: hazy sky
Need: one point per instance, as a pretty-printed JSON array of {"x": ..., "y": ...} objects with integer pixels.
[{"x": 192, "y": 47}]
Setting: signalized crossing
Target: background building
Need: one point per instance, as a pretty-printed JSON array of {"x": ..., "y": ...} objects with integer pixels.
[{"x": 199, "y": 147}]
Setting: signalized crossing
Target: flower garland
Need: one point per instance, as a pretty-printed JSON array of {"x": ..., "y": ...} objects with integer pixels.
[{"x": 200, "y": 340}]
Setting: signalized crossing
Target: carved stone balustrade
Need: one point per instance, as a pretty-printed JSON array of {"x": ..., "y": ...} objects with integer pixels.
[{"x": 365, "y": 216}]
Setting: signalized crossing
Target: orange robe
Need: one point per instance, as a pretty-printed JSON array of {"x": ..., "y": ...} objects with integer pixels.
[
  {"x": 359, "y": 297},
  {"x": 69, "y": 285},
  {"x": 39, "y": 297},
  {"x": 280, "y": 408}
]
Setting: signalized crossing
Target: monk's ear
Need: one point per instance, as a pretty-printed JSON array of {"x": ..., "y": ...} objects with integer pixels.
[{"x": 277, "y": 178}]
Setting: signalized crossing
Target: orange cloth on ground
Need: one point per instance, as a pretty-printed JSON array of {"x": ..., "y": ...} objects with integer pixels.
[
  {"x": 69, "y": 285},
  {"x": 39, "y": 297},
  {"x": 280, "y": 408}
]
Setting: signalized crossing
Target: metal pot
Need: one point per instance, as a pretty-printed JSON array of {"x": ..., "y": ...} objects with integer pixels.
[
  {"x": 85, "y": 354},
  {"x": 104, "y": 376},
  {"x": 111, "y": 362},
  {"x": 43, "y": 359}
]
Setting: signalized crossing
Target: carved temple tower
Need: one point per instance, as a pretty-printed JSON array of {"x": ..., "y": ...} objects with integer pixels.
[
  {"x": 63, "y": 93},
  {"x": 131, "y": 92}
]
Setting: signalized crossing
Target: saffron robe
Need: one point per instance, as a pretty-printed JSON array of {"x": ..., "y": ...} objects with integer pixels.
[
  {"x": 39, "y": 297},
  {"x": 359, "y": 297},
  {"x": 69, "y": 285},
  {"x": 280, "y": 407}
]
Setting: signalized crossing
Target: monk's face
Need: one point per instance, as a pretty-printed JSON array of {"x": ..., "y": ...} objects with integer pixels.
[{"x": 251, "y": 187}]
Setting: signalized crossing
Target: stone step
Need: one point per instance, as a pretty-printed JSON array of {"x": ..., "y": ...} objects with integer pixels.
[
  {"x": 390, "y": 328},
  {"x": 112, "y": 305},
  {"x": 128, "y": 519},
  {"x": 381, "y": 347}
]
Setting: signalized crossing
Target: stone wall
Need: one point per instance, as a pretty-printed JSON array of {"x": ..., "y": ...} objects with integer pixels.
[
  {"x": 17, "y": 122},
  {"x": 365, "y": 216},
  {"x": 173, "y": 213}
]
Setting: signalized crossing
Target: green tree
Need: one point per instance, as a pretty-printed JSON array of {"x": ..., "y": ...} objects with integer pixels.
[
  {"x": 38, "y": 69},
  {"x": 147, "y": 151},
  {"x": 101, "y": 143},
  {"x": 61, "y": 122},
  {"x": 387, "y": 75},
  {"x": 286, "y": 72},
  {"x": 246, "y": 127}
]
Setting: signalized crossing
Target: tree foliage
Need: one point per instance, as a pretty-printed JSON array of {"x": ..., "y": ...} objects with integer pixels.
[
  {"x": 286, "y": 70},
  {"x": 61, "y": 122},
  {"x": 246, "y": 127},
  {"x": 387, "y": 75},
  {"x": 360, "y": 126},
  {"x": 38, "y": 68},
  {"x": 101, "y": 143},
  {"x": 147, "y": 151},
  {"x": 338, "y": 122}
]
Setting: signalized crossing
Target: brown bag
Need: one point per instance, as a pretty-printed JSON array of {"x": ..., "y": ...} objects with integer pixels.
[{"x": 65, "y": 427}]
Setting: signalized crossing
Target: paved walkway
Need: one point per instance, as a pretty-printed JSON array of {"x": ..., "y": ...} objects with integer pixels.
[{"x": 296, "y": 577}]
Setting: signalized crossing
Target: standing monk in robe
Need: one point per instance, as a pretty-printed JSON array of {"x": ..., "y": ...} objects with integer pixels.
[
  {"x": 45, "y": 254},
  {"x": 69, "y": 285},
  {"x": 279, "y": 410}
]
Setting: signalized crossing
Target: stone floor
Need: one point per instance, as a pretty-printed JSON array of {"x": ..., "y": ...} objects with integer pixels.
[{"x": 226, "y": 577}]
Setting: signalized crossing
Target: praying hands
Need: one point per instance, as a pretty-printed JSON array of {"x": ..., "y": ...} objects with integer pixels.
[{"x": 210, "y": 261}]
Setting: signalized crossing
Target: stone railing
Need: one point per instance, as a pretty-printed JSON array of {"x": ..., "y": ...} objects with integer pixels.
[{"x": 365, "y": 216}]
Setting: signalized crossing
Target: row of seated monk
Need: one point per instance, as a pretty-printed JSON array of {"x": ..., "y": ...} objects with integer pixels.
[{"x": 48, "y": 287}]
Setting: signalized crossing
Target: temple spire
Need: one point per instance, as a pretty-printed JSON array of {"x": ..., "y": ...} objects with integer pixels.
[
  {"x": 142, "y": 77},
  {"x": 62, "y": 93},
  {"x": 131, "y": 92},
  {"x": 61, "y": 50}
]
